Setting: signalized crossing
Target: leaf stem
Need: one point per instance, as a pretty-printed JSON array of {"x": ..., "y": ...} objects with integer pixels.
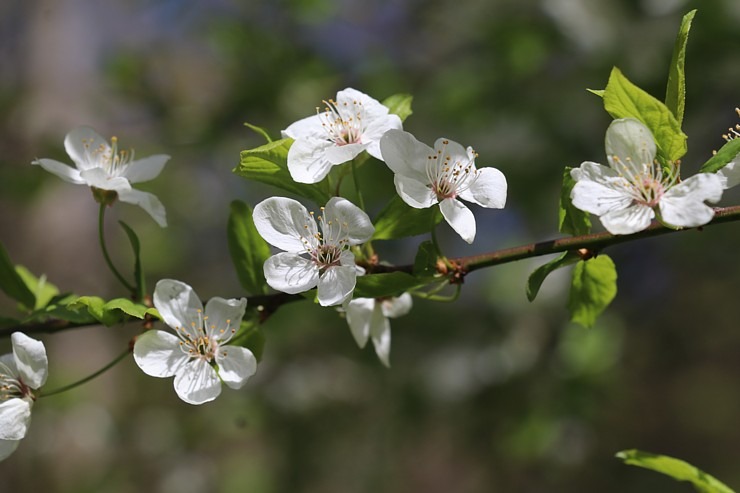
[
  {"x": 89, "y": 377},
  {"x": 101, "y": 237}
]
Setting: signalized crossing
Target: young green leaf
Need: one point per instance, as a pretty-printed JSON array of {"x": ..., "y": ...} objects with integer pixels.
[
  {"x": 259, "y": 130},
  {"x": 382, "y": 285},
  {"x": 398, "y": 220},
  {"x": 727, "y": 153},
  {"x": 110, "y": 312},
  {"x": 597, "y": 92},
  {"x": 675, "y": 468},
  {"x": 138, "y": 272},
  {"x": 425, "y": 262},
  {"x": 42, "y": 290},
  {"x": 269, "y": 164},
  {"x": 623, "y": 99},
  {"x": 540, "y": 273},
  {"x": 12, "y": 284},
  {"x": 675, "y": 94},
  {"x": 593, "y": 287},
  {"x": 399, "y": 104},
  {"x": 247, "y": 248},
  {"x": 571, "y": 220}
]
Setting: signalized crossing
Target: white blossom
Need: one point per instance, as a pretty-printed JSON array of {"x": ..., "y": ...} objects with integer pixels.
[
  {"x": 312, "y": 258},
  {"x": 21, "y": 373},
  {"x": 103, "y": 166},
  {"x": 368, "y": 318},
  {"x": 443, "y": 175},
  {"x": 352, "y": 123},
  {"x": 627, "y": 193},
  {"x": 198, "y": 354}
]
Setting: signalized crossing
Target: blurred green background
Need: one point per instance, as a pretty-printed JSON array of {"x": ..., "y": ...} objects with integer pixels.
[{"x": 488, "y": 394}]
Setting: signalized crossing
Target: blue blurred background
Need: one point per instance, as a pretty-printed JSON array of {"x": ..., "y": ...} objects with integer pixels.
[{"x": 491, "y": 393}]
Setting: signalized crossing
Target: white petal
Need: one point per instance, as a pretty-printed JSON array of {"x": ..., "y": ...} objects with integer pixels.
[
  {"x": 197, "y": 382},
  {"x": 372, "y": 108},
  {"x": 291, "y": 273},
  {"x": 415, "y": 193},
  {"x": 336, "y": 285},
  {"x": 459, "y": 217},
  {"x": 145, "y": 169},
  {"x": 224, "y": 316},
  {"x": 159, "y": 354},
  {"x": 66, "y": 173},
  {"x": 86, "y": 147},
  {"x": 306, "y": 128},
  {"x": 285, "y": 224},
  {"x": 598, "y": 189},
  {"x": 307, "y": 160},
  {"x": 397, "y": 307},
  {"x": 730, "y": 174},
  {"x": 380, "y": 331},
  {"x": 15, "y": 416},
  {"x": 405, "y": 155},
  {"x": 7, "y": 447},
  {"x": 632, "y": 142},
  {"x": 488, "y": 189},
  {"x": 683, "y": 204},
  {"x": 375, "y": 131},
  {"x": 235, "y": 365},
  {"x": 444, "y": 147},
  {"x": 178, "y": 305},
  {"x": 30, "y": 359},
  {"x": 147, "y": 201},
  {"x": 629, "y": 220},
  {"x": 337, "y": 154},
  {"x": 354, "y": 223},
  {"x": 359, "y": 312},
  {"x": 99, "y": 178}
]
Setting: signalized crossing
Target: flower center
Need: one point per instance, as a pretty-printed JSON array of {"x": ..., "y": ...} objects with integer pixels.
[
  {"x": 201, "y": 340},
  {"x": 12, "y": 387},
  {"x": 343, "y": 123},
  {"x": 110, "y": 158},
  {"x": 646, "y": 184},
  {"x": 449, "y": 177},
  {"x": 325, "y": 247}
]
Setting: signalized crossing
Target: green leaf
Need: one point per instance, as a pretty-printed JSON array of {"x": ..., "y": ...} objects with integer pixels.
[
  {"x": 540, "y": 273},
  {"x": 247, "y": 248},
  {"x": 42, "y": 290},
  {"x": 598, "y": 92},
  {"x": 110, "y": 312},
  {"x": 571, "y": 220},
  {"x": 623, "y": 99},
  {"x": 425, "y": 262},
  {"x": 251, "y": 337},
  {"x": 399, "y": 104},
  {"x": 259, "y": 130},
  {"x": 12, "y": 284},
  {"x": 594, "y": 286},
  {"x": 398, "y": 220},
  {"x": 382, "y": 285},
  {"x": 269, "y": 164},
  {"x": 138, "y": 272},
  {"x": 727, "y": 153},
  {"x": 675, "y": 94},
  {"x": 675, "y": 468}
]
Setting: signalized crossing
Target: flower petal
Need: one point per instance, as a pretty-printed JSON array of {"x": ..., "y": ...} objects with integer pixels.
[
  {"x": 444, "y": 148},
  {"x": 99, "y": 178},
  {"x": 7, "y": 447},
  {"x": 397, "y": 307},
  {"x": 147, "y": 201},
  {"x": 337, "y": 154},
  {"x": 597, "y": 189},
  {"x": 683, "y": 204},
  {"x": 197, "y": 382},
  {"x": 235, "y": 365},
  {"x": 159, "y": 354},
  {"x": 307, "y": 128},
  {"x": 86, "y": 147},
  {"x": 145, "y": 169},
  {"x": 30, "y": 359},
  {"x": 285, "y": 224},
  {"x": 291, "y": 273},
  {"x": 730, "y": 174},
  {"x": 15, "y": 416},
  {"x": 405, "y": 155},
  {"x": 375, "y": 131},
  {"x": 359, "y": 313},
  {"x": 630, "y": 141},
  {"x": 488, "y": 189},
  {"x": 380, "y": 331},
  {"x": 223, "y": 317},
  {"x": 307, "y": 160},
  {"x": 459, "y": 217},
  {"x": 336, "y": 285},
  {"x": 179, "y": 306},
  {"x": 415, "y": 193},
  {"x": 351, "y": 221},
  {"x": 628, "y": 220},
  {"x": 66, "y": 173}
]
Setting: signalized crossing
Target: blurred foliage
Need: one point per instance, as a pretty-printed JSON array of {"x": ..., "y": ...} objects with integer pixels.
[{"x": 488, "y": 394}]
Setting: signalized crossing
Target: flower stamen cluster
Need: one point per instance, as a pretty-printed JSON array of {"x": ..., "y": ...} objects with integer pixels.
[
  {"x": 449, "y": 177},
  {"x": 343, "y": 122}
]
